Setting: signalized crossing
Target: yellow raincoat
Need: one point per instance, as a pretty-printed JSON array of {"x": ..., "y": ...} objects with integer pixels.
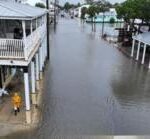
[{"x": 16, "y": 101}]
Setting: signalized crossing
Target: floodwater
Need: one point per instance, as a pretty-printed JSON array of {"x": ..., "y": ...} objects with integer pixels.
[{"x": 91, "y": 88}]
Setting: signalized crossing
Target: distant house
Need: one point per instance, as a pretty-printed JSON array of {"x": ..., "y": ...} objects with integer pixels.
[
  {"x": 106, "y": 16},
  {"x": 23, "y": 45}
]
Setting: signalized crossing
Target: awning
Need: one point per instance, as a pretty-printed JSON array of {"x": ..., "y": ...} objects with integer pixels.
[{"x": 144, "y": 37}]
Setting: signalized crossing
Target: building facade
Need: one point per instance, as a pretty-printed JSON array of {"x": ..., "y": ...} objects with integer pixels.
[
  {"x": 106, "y": 17},
  {"x": 23, "y": 45}
]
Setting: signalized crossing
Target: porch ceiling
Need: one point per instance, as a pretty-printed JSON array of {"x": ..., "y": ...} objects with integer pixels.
[
  {"x": 11, "y": 10},
  {"x": 144, "y": 37}
]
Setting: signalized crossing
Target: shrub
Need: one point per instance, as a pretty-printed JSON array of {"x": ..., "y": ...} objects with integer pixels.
[{"x": 112, "y": 20}]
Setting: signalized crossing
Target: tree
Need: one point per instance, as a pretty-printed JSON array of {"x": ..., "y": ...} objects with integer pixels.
[
  {"x": 132, "y": 9},
  {"x": 67, "y": 6},
  {"x": 78, "y": 5},
  {"x": 135, "y": 9},
  {"x": 91, "y": 12},
  {"x": 112, "y": 20},
  {"x": 115, "y": 5},
  {"x": 40, "y": 5},
  {"x": 83, "y": 12}
]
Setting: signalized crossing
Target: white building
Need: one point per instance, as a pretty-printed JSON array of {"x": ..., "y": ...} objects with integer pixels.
[
  {"x": 23, "y": 44},
  {"x": 106, "y": 17},
  {"x": 33, "y": 2}
]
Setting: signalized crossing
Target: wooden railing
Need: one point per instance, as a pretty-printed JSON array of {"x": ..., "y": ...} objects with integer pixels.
[
  {"x": 18, "y": 49},
  {"x": 31, "y": 42},
  {"x": 11, "y": 48}
]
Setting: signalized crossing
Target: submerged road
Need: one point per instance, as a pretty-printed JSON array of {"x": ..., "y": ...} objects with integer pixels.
[{"x": 91, "y": 88}]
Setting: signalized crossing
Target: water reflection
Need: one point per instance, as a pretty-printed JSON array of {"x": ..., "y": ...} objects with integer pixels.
[{"x": 91, "y": 88}]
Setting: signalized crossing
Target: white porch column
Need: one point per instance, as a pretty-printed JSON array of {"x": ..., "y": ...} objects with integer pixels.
[
  {"x": 24, "y": 39},
  {"x": 31, "y": 27},
  {"x": 138, "y": 51},
  {"x": 37, "y": 71},
  {"x": 128, "y": 28},
  {"x": 27, "y": 95},
  {"x": 133, "y": 45},
  {"x": 41, "y": 62},
  {"x": 36, "y": 23},
  {"x": 1, "y": 82},
  {"x": 44, "y": 58},
  {"x": 45, "y": 25},
  {"x": 33, "y": 82},
  {"x": 149, "y": 65},
  {"x": 45, "y": 44},
  {"x": 43, "y": 54},
  {"x": 33, "y": 76},
  {"x": 143, "y": 58}
]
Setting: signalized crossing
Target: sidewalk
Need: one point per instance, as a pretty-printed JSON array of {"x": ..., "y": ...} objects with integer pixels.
[
  {"x": 127, "y": 51},
  {"x": 10, "y": 123}
]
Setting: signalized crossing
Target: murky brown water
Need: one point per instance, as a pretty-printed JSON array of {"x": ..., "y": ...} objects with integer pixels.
[{"x": 91, "y": 88}]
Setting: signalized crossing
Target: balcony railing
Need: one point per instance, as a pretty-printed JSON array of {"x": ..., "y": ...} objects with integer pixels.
[
  {"x": 18, "y": 49},
  {"x": 11, "y": 48}
]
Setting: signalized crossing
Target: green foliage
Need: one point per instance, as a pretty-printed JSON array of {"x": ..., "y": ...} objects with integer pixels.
[
  {"x": 132, "y": 9},
  {"x": 68, "y": 6},
  {"x": 91, "y": 11},
  {"x": 83, "y": 12},
  {"x": 40, "y": 5},
  {"x": 112, "y": 20},
  {"x": 96, "y": 9},
  {"x": 78, "y": 5}
]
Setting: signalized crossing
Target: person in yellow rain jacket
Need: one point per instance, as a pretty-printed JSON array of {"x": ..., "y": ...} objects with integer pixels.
[{"x": 16, "y": 101}]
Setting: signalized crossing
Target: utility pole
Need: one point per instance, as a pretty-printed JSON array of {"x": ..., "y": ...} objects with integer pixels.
[
  {"x": 103, "y": 24},
  {"x": 55, "y": 13},
  {"x": 48, "y": 50}
]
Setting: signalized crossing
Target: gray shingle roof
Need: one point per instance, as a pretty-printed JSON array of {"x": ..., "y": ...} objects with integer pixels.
[{"x": 11, "y": 10}]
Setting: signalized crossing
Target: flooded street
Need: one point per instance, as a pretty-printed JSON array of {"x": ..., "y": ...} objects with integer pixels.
[{"x": 91, "y": 88}]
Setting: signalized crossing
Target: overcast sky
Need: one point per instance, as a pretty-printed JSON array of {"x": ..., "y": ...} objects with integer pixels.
[{"x": 32, "y": 2}]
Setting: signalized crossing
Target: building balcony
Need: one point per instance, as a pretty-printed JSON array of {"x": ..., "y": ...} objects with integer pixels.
[{"x": 21, "y": 49}]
